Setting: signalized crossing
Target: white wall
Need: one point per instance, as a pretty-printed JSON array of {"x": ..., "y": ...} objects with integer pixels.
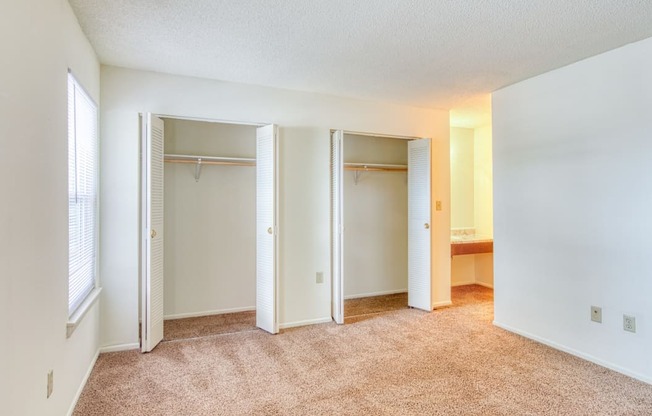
[
  {"x": 305, "y": 120},
  {"x": 210, "y": 224},
  {"x": 375, "y": 219},
  {"x": 462, "y": 178},
  {"x": 573, "y": 197},
  {"x": 483, "y": 215},
  {"x": 39, "y": 40}
]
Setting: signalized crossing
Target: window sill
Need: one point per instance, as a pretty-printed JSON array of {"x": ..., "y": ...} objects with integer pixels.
[{"x": 76, "y": 318}]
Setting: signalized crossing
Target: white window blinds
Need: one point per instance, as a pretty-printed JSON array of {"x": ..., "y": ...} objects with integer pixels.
[{"x": 83, "y": 176}]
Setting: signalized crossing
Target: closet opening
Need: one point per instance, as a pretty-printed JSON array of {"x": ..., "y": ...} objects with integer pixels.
[
  {"x": 209, "y": 221},
  {"x": 381, "y": 261}
]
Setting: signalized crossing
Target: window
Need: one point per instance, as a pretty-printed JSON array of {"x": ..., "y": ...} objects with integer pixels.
[{"x": 83, "y": 178}]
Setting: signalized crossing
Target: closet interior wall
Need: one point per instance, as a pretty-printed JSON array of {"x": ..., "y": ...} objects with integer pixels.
[
  {"x": 375, "y": 218},
  {"x": 210, "y": 223}
]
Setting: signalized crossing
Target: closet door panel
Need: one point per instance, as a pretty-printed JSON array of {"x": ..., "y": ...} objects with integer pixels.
[
  {"x": 266, "y": 229},
  {"x": 337, "y": 225},
  {"x": 419, "y": 243},
  {"x": 152, "y": 314}
]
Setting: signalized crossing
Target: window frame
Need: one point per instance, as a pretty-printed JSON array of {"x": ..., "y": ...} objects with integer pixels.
[{"x": 79, "y": 305}]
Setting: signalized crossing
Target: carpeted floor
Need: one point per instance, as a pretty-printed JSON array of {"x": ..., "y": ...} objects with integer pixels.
[
  {"x": 202, "y": 326},
  {"x": 355, "y": 310},
  {"x": 407, "y": 362}
]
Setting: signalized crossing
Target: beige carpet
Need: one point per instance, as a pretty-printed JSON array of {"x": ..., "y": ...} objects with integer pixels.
[
  {"x": 356, "y": 310},
  {"x": 202, "y": 326},
  {"x": 407, "y": 362}
]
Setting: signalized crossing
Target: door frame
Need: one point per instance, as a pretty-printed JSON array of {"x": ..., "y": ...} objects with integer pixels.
[
  {"x": 143, "y": 233},
  {"x": 338, "y": 302}
]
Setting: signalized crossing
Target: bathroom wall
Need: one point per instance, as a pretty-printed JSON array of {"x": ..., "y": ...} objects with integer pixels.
[
  {"x": 472, "y": 201},
  {"x": 462, "y": 178}
]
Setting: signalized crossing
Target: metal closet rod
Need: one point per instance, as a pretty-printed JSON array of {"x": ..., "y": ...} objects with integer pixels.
[{"x": 210, "y": 160}]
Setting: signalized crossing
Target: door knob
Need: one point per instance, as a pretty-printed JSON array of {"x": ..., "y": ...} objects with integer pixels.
[
  {"x": 269, "y": 230},
  {"x": 153, "y": 233},
  {"x": 426, "y": 226}
]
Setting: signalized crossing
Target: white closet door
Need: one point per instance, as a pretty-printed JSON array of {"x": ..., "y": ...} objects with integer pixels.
[
  {"x": 337, "y": 226},
  {"x": 266, "y": 229},
  {"x": 419, "y": 280},
  {"x": 152, "y": 238}
]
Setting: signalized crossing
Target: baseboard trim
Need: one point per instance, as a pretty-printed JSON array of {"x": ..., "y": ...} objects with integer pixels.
[
  {"x": 208, "y": 313},
  {"x": 83, "y": 384},
  {"x": 304, "y": 323},
  {"x": 441, "y": 304},
  {"x": 119, "y": 347},
  {"x": 576, "y": 353},
  {"x": 490, "y": 286},
  {"x": 382, "y": 293},
  {"x": 464, "y": 283}
]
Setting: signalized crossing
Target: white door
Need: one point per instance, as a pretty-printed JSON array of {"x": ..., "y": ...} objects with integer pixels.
[
  {"x": 419, "y": 280},
  {"x": 266, "y": 229},
  {"x": 337, "y": 226},
  {"x": 152, "y": 237}
]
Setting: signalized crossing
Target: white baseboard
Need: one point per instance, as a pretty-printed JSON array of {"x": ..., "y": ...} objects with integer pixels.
[
  {"x": 383, "y": 293},
  {"x": 576, "y": 353},
  {"x": 490, "y": 286},
  {"x": 120, "y": 347},
  {"x": 464, "y": 283},
  {"x": 208, "y": 313},
  {"x": 306, "y": 322},
  {"x": 83, "y": 384},
  {"x": 441, "y": 304}
]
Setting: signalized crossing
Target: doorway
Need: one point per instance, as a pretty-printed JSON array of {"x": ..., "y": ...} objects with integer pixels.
[{"x": 209, "y": 228}]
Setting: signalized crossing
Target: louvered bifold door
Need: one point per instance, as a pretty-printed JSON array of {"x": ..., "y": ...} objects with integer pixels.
[
  {"x": 419, "y": 226},
  {"x": 337, "y": 226},
  {"x": 152, "y": 185},
  {"x": 266, "y": 229}
]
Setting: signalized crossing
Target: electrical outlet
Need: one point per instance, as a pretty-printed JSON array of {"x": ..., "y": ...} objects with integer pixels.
[
  {"x": 629, "y": 323},
  {"x": 320, "y": 277},
  {"x": 50, "y": 382},
  {"x": 438, "y": 205},
  {"x": 596, "y": 314}
]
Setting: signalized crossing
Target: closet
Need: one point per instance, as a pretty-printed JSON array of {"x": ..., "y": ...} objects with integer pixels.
[
  {"x": 380, "y": 221},
  {"x": 209, "y": 222}
]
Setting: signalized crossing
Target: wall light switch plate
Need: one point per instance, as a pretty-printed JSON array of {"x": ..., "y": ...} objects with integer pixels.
[
  {"x": 320, "y": 277},
  {"x": 596, "y": 314}
]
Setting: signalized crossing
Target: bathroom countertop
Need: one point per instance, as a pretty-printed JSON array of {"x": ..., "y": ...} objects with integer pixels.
[{"x": 461, "y": 245}]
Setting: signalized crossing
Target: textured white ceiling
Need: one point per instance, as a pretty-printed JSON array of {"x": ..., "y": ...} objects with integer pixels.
[{"x": 427, "y": 53}]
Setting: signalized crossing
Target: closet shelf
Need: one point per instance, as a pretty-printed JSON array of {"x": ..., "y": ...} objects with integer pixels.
[
  {"x": 198, "y": 161},
  {"x": 375, "y": 167}
]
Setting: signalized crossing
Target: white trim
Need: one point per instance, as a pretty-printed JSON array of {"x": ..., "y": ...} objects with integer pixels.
[
  {"x": 120, "y": 347},
  {"x": 305, "y": 322},
  {"x": 463, "y": 283},
  {"x": 76, "y": 318},
  {"x": 490, "y": 286},
  {"x": 441, "y": 304},
  {"x": 576, "y": 353},
  {"x": 83, "y": 384},
  {"x": 208, "y": 313},
  {"x": 211, "y": 120},
  {"x": 382, "y": 293},
  {"x": 384, "y": 136}
]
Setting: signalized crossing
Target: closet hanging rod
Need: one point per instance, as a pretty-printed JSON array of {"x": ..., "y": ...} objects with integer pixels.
[
  {"x": 210, "y": 160},
  {"x": 375, "y": 167}
]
